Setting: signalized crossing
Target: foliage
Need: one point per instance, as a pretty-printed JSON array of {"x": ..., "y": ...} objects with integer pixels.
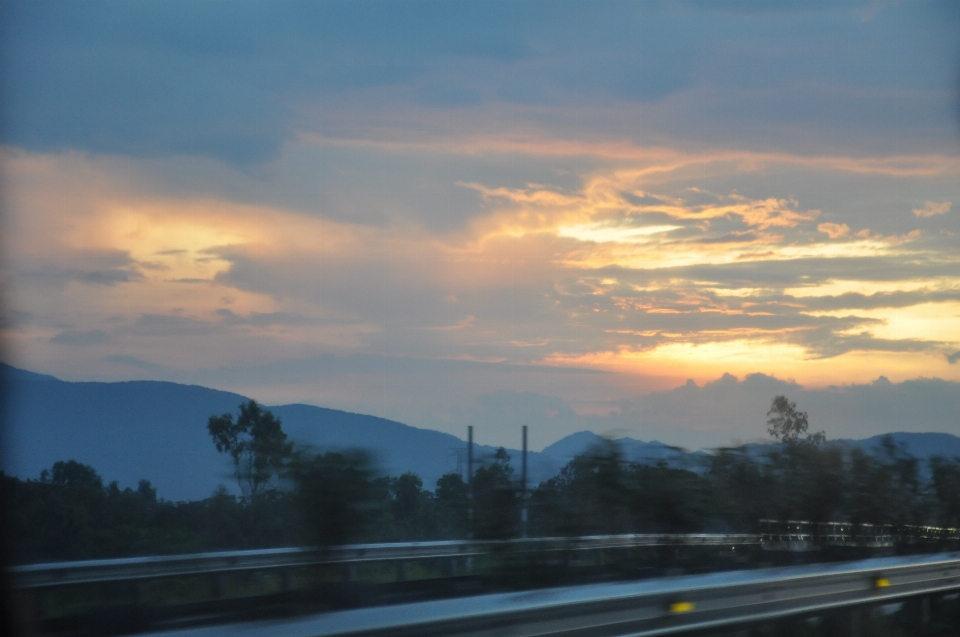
[
  {"x": 339, "y": 497},
  {"x": 946, "y": 487},
  {"x": 72, "y": 473},
  {"x": 256, "y": 443},
  {"x": 337, "y": 494},
  {"x": 453, "y": 507},
  {"x": 787, "y": 425},
  {"x": 589, "y": 496},
  {"x": 598, "y": 492},
  {"x": 496, "y": 500}
]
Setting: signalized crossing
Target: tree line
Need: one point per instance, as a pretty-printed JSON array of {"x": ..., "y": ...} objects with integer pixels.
[{"x": 293, "y": 497}]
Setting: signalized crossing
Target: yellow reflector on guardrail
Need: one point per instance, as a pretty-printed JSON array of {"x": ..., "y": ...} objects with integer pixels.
[
  {"x": 681, "y": 607},
  {"x": 880, "y": 582}
]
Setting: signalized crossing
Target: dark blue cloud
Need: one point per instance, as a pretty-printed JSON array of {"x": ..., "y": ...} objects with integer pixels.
[
  {"x": 213, "y": 78},
  {"x": 232, "y": 80},
  {"x": 131, "y": 78}
]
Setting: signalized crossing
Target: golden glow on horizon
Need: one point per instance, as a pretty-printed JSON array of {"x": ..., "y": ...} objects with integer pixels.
[
  {"x": 707, "y": 362},
  {"x": 932, "y": 321},
  {"x": 214, "y": 264}
]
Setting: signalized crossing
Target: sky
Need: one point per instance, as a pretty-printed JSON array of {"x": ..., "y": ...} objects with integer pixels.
[{"x": 639, "y": 218}]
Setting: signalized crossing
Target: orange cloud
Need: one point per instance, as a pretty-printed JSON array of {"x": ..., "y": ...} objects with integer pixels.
[
  {"x": 834, "y": 230},
  {"x": 932, "y": 209}
]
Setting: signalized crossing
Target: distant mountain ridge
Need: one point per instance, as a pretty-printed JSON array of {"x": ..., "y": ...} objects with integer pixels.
[{"x": 157, "y": 431}]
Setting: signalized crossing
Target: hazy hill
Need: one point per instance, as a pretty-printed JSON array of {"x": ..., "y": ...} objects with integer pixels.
[
  {"x": 157, "y": 431},
  {"x": 921, "y": 445}
]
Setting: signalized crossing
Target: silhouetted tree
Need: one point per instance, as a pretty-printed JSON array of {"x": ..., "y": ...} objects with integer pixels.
[
  {"x": 787, "y": 425},
  {"x": 256, "y": 443},
  {"x": 807, "y": 482},
  {"x": 452, "y": 506},
  {"x": 946, "y": 487},
  {"x": 590, "y": 495},
  {"x": 744, "y": 486},
  {"x": 414, "y": 509},
  {"x": 496, "y": 499},
  {"x": 72, "y": 474},
  {"x": 669, "y": 500}
]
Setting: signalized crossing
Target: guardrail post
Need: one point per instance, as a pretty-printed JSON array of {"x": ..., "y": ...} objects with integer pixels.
[
  {"x": 401, "y": 571},
  {"x": 925, "y": 610}
]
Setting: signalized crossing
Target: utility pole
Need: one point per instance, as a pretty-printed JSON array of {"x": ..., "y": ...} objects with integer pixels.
[{"x": 523, "y": 487}]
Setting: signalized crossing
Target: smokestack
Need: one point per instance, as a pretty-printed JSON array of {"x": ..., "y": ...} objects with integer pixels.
[
  {"x": 523, "y": 487},
  {"x": 470, "y": 477},
  {"x": 470, "y": 459}
]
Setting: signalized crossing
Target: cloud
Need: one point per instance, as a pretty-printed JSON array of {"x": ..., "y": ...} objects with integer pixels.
[
  {"x": 953, "y": 358},
  {"x": 932, "y": 208},
  {"x": 132, "y": 361},
  {"x": 726, "y": 410},
  {"x": 614, "y": 190},
  {"x": 108, "y": 268},
  {"x": 853, "y": 300},
  {"x": 81, "y": 337},
  {"x": 506, "y": 409},
  {"x": 604, "y": 268},
  {"x": 834, "y": 230},
  {"x": 736, "y": 408},
  {"x": 167, "y": 325},
  {"x": 269, "y": 319},
  {"x": 186, "y": 78}
]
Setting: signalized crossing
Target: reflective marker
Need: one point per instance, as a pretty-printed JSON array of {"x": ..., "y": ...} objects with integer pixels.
[{"x": 681, "y": 607}]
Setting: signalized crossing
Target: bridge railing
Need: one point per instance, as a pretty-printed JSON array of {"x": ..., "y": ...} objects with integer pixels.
[{"x": 799, "y": 535}]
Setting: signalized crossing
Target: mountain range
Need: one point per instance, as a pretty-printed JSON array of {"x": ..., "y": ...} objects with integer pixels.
[{"x": 156, "y": 431}]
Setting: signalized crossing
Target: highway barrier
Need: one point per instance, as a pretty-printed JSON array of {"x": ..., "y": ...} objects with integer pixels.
[{"x": 666, "y": 606}]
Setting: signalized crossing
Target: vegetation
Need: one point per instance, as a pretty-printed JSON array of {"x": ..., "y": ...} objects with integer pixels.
[
  {"x": 292, "y": 497},
  {"x": 787, "y": 425},
  {"x": 256, "y": 443}
]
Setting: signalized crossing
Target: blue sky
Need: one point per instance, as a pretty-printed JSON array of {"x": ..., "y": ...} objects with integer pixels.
[{"x": 631, "y": 193}]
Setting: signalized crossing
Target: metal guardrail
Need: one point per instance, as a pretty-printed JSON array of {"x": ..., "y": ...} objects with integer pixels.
[
  {"x": 155, "y": 567},
  {"x": 641, "y": 609},
  {"x": 775, "y": 535}
]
